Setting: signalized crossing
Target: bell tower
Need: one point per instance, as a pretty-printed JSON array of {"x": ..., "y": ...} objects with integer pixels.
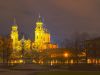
[
  {"x": 39, "y": 31},
  {"x": 42, "y": 37},
  {"x": 14, "y": 34}
]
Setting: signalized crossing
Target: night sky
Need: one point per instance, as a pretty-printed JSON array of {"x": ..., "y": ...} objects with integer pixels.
[{"x": 61, "y": 17}]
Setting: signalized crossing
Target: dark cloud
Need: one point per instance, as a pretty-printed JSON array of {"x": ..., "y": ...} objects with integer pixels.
[{"x": 62, "y": 17}]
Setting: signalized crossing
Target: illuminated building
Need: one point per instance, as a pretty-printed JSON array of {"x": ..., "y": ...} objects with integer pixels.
[
  {"x": 21, "y": 46},
  {"x": 18, "y": 44},
  {"x": 42, "y": 37},
  {"x": 15, "y": 37}
]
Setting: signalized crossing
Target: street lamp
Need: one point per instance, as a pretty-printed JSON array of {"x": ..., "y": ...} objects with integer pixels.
[{"x": 66, "y": 54}]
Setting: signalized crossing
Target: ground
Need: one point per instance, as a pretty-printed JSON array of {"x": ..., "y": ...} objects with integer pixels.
[
  {"x": 48, "y": 73},
  {"x": 34, "y": 69}
]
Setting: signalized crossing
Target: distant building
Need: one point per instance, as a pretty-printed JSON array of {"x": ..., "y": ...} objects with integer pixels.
[
  {"x": 42, "y": 38},
  {"x": 92, "y": 48},
  {"x": 17, "y": 43}
]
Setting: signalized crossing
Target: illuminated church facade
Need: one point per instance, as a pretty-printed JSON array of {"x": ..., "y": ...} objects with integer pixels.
[{"x": 41, "y": 42}]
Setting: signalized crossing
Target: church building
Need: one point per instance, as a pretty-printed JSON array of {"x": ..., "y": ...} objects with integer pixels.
[
  {"x": 41, "y": 42},
  {"x": 42, "y": 37}
]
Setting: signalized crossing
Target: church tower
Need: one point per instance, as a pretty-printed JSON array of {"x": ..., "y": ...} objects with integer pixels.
[
  {"x": 14, "y": 34},
  {"x": 39, "y": 33},
  {"x": 42, "y": 37}
]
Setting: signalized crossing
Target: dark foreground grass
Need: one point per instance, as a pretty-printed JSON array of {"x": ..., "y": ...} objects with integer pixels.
[{"x": 68, "y": 73}]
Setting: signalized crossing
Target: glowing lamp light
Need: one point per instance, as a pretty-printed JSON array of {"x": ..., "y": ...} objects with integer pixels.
[
  {"x": 20, "y": 61},
  {"x": 65, "y": 54}
]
